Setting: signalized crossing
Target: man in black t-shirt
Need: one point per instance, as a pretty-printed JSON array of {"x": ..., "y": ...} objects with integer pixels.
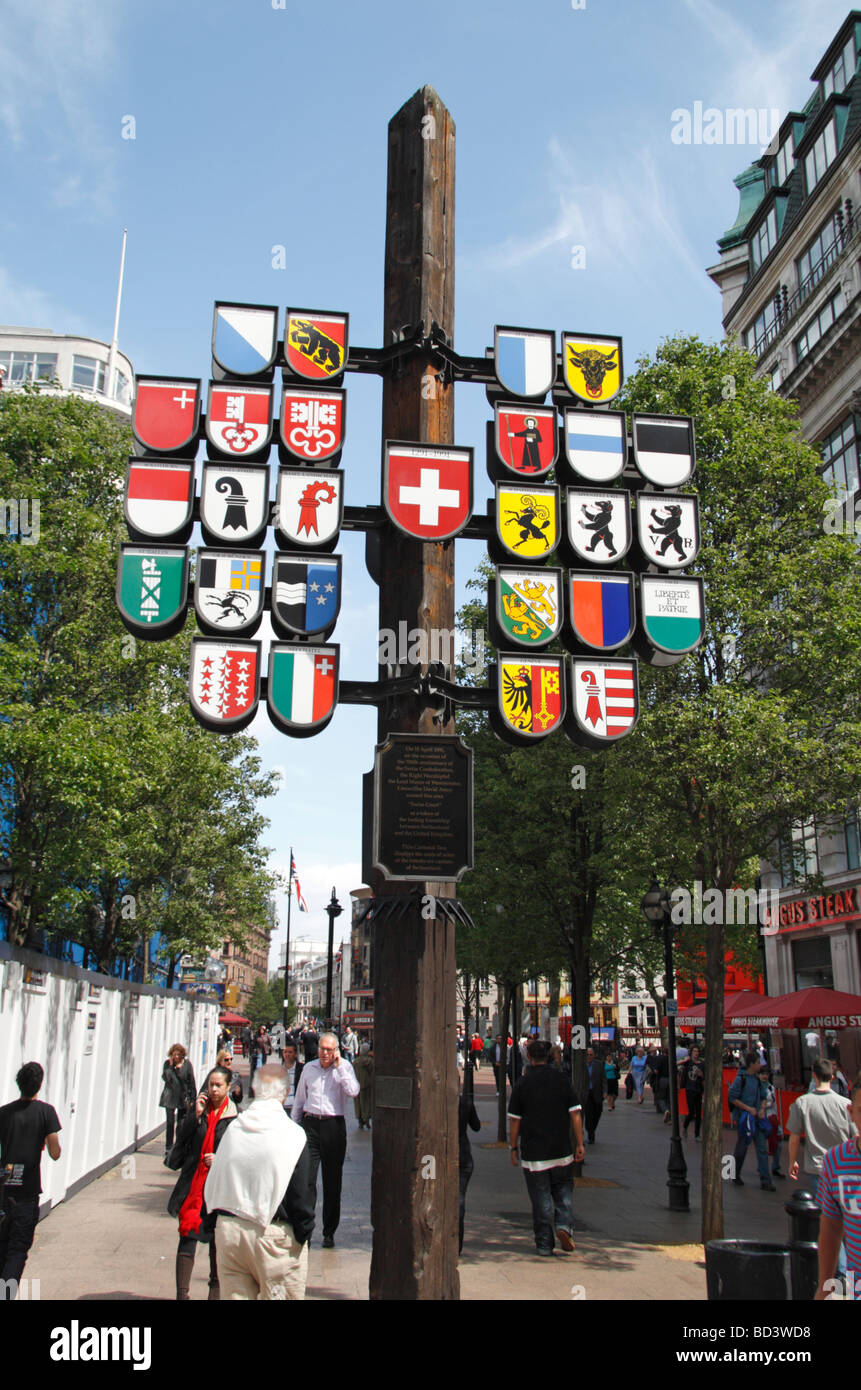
[
  {"x": 543, "y": 1111},
  {"x": 27, "y": 1126}
]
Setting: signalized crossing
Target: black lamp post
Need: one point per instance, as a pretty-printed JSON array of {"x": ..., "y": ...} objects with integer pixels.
[
  {"x": 333, "y": 910},
  {"x": 657, "y": 910}
]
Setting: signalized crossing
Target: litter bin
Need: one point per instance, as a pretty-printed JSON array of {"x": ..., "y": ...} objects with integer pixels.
[{"x": 747, "y": 1271}]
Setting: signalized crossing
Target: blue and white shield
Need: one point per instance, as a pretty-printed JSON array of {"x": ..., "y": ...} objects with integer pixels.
[
  {"x": 306, "y": 594},
  {"x": 525, "y": 360},
  {"x": 244, "y": 338}
]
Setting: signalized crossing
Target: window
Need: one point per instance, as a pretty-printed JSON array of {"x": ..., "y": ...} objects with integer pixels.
[
  {"x": 853, "y": 841},
  {"x": 632, "y": 1015},
  {"x": 822, "y": 251},
  {"x": 88, "y": 374},
  {"x": 28, "y": 366},
  {"x": 818, "y": 159},
  {"x": 840, "y": 453},
  {"x": 811, "y": 963},
  {"x": 784, "y": 164},
  {"x": 763, "y": 240},
  {"x": 841, "y": 74},
  {"x": 774, "y": 376},
  {"x": 818, "y": 325},
  {"x": 798, "y": 854},
  {"x": 122, "y": 390},
  {"x": 763, "y": 329},
  {"x": 651, "y": 1017}
]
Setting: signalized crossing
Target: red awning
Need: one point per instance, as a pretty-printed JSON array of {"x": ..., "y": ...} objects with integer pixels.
[
  {"x": 229, "y": 1018},
  {"x": 733, "y": 1002},
  {"x": 809, "y": 1008}
]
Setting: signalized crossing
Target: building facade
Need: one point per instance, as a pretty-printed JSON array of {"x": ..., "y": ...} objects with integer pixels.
[
  {"x": 64, "y": 364},
  {"x": 790, "y": 279}
]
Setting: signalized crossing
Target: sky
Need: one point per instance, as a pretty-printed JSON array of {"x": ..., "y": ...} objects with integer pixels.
[{"x": 259, "y": 125}]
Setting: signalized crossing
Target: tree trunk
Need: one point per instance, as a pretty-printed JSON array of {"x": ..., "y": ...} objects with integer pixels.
[{"x": 502, "y": 1104}]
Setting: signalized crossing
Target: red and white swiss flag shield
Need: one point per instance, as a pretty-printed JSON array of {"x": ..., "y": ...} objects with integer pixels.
[
  {"x": 166, "y": 414},
  {"x": 427, "y": 489}
]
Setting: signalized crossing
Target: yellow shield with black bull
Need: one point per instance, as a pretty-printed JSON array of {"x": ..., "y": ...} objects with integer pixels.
[{"x": 592, "y": 366}]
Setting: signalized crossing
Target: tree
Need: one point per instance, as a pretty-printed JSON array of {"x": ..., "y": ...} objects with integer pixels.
[{"x": 259, "y": 1006}]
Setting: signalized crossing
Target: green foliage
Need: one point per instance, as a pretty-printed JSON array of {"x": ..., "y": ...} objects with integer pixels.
[{"x": 120, "y": 817}]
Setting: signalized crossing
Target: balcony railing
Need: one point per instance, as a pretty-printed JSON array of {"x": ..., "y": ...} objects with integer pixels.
[{"x": 787, "y": 307}]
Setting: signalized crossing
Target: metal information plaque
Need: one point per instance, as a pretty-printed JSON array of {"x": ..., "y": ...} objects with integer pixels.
[{"x": 421, "y": 818}]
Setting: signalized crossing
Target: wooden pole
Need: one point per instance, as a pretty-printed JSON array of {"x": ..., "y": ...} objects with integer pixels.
[{"x": 414, "y": 1198}]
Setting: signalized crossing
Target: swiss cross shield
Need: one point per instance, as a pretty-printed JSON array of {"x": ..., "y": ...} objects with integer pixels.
[
  {"x": 427, "y": 489},
  {"x": 244, "y": 338},
  {"x": 152, "y": 589},
  {"x": 234, "y": 503},
  {"x": 525, "y": 440},
  {"x": 525, "y": 360},
  {"x": 526, "y": 605},
  {"x": 316, "y": 343},
  {"x": 664, "y": 448},
  {"x": 601, "y": 609},
  {"x": 166, "y": 415},
  {"x": 239, "y": 418},
  {"x": 228, "y": 591},
  {"x": 530, "y": 696},
  {"x": 668, "y": 529},
  {"x": 302, "y": 689},
  {"x": 310, "y": 507},
  {"x": 312, "y": 423},
  {"x": 306, "y": 594},
  {"x": 604, "y": 701},
  {"x": 596, "y": 443},
  {"x": 224, "y": 682},
  {"x": 599, "y": 524},
  {"x": 592, "y": 367},
  {"x": 159, "y": 499},
  {"x": 527, "y": 520}
]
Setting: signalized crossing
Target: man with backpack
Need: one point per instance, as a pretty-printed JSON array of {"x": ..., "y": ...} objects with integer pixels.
[{"x": 747, "y": 1100}]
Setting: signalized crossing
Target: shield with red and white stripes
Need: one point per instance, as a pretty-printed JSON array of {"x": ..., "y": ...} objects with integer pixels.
[{"x": 605, "y": 699}]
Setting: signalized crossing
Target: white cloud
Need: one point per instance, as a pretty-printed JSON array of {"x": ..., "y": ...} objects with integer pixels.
[{"x": 25, "y": 306}]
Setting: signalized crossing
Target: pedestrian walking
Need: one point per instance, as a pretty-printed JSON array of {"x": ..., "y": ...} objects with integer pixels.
[
  {"x": 661, "y": 1084},
  {"x": 27, "y": 1127},
  {"x": 260, "y": 1192},
  {"x": 477, "y": 1049},
  {"x": 639, "y": 1064},
  {"x": 595, "y": 1090},
  {"x": 350, "y": 1044},
  {"x": 293, "y": 1069},
  {"x": 747, "y": 1099},
  {"x": 198, "y": 1139},
  {"x": 839, "y": 1185},
  {"x": 773, "y": 1135},
  {"x": 325, "y": 1086},
  {"x": 178, "y": 1092},
  {"x": 466, "y": 1117},
  {"x": 235, "y": 1090},
  {"x": 611, "y": 1077},
  {"x": 822, "y": 1117},
  {"x": 310, "y": 1044},
  {"x": 364, "y": 1101},
  {"x": 543, "y": 1112},
  {"x": 693, "y": 1083}
]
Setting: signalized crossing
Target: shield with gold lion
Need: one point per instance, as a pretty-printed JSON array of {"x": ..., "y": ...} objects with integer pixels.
[{"x": 592, "y": 367}]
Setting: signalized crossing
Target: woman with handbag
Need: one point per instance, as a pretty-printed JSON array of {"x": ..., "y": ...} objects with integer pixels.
[
  {"x": 693, "y": 1083},
  {"x": 197, "y": 1140},
  {"x": 177, "y": 1092}
]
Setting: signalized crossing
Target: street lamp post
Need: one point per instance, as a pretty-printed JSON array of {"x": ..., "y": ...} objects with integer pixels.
[
  {"x": 333, "y": 910},
  {"x": 656, "y": 909}
]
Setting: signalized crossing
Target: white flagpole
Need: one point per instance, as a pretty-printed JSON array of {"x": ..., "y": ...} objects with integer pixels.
[{"x": 112, "y": 356}]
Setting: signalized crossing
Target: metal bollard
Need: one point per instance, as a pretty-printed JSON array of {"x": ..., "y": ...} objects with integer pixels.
[{"x": 803, "y": 1214}]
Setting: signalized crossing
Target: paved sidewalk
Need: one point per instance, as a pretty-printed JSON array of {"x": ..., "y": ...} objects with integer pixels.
[{"x": 115, "y": 1240}]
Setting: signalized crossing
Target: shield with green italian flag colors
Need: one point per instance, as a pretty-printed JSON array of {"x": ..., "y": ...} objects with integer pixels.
[
  {"x": 302, "y": 690},
  {"x": 672, "y": 612},
  {"x": 152, "y": 589}
]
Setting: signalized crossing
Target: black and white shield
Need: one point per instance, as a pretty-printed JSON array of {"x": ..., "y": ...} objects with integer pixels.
[
  {"x": 228, "y": 591},
  {"x": 306, "y": 594},
  {"x": 668, "y": 529},
  {"x": 234, "y": 503},
  {"x": 599, "y": 524},
  {"x": 664, "y": 448}
]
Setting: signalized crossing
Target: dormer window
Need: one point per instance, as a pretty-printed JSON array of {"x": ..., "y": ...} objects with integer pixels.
[
  {"x": 821, "y": 156},
  {"x": 763, "y": 240},
  {"x": 842, "y": 72}
]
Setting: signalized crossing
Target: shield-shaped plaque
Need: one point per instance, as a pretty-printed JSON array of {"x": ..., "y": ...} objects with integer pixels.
[
  {"x": 159, "y": 499},
  {"x": 599, "y": 524},
  {"x": 664, "y": 448},
  {"x": 530, "y": 696},
  {"x": 152, "y": 589},
  {"x": 525, "y": 360},
  {"x": 604, "y": 700},
  {"x": 527, "y": 607},
  {"x": 302, "y": 690},
  {"x": 592, "y": 366},
  {"x": 668, "y": 529},
  {"x": 427, "y": 488},
  {"x": 228, "y": 591},
  {"x": 316, "y": 343},
  {"x": 312, "y": 424},
  {"x": 224, "y": 682},
  {"x": 527, "y": 521},
  {"x": 306, "y": 594},
  {"x": 672, "y": 613},
  {"x": 602, "y": 609},
  {"x": 166, "y": 416},
  {"x": 239, "y": 418},
  {"x": 244, "y": 338},
  {"x": 526, "y": 440},
  {"x": 310, "y": 507},
  {"x": 596, "y": 443},
  {"x": 234, "y": 503}
]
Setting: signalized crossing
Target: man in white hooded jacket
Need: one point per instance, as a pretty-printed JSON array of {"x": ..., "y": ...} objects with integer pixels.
[{"x": 260, "y": 1187}]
